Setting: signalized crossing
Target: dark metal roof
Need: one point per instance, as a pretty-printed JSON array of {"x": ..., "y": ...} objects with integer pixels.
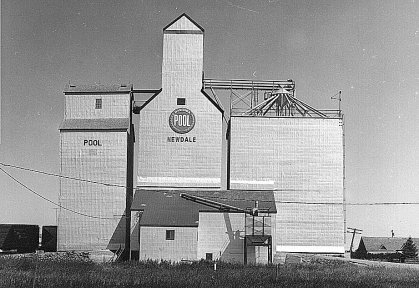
[
  {"x": 98, "y": 88},
  {"x": 167, "y": 208},
  {"x": 189, "y": 18},
  {"x": 95, "y": 124}
]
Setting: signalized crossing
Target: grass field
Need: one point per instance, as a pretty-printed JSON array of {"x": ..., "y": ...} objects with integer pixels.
[{"x": 35, "y": 271}]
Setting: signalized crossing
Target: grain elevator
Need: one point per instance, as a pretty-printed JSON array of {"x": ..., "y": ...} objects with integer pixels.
[{"x": 282, "y": 161}]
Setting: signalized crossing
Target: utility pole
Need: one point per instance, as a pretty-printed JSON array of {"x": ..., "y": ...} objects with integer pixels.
[
  {"x": 129, "y": 182},
  {"x": 353, "y": 231}
]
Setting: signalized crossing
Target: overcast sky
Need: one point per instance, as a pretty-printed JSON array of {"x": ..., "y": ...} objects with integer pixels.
[{"x": 369, "y": 49}]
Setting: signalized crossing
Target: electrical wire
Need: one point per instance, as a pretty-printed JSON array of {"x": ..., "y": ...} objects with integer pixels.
[
  {"x": 48, "y": 200},
  {"x": 211, "y": 197},
  {"x": 61, "y": 176}
]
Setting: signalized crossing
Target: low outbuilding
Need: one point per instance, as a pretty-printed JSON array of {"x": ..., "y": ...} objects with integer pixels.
[{"x": 166, "y": 226}]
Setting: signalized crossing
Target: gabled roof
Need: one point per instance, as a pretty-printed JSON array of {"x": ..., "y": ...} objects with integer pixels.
[
  {"x": 138, "y": 109},
  {"x": 183, "y": 23},
  {"x": 166, "y": 207},
  {"x": 385, "y": 244},
  {"x": 95, "y": 124},
  {"x": 98, "y": 88}
]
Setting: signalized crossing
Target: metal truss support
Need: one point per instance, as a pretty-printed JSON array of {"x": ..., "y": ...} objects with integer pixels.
[
  {"x": 278, "y": 99},
  {"x": 244, "y": 94}
]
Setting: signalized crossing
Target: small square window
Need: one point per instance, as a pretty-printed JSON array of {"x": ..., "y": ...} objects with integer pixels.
[
  {"x": 181, "y": 101},
  {"x": 208, "y": 256},
  {"x": 170, "y": 234},
  {"x": 98, "y": 104}
]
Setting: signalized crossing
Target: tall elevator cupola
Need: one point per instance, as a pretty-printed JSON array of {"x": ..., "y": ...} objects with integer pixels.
[
  {"x": 183, "y": 55},
  {"x": 180, "y": 128}
]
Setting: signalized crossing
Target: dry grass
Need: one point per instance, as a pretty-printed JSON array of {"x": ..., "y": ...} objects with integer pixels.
[{"x": 79, "y": 272}]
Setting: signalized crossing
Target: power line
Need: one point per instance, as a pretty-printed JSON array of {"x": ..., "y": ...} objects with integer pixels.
[
  {"x": 50, "y": 201},
  {"x": 61, "y": 176},
  {"x": 214, "y": 197},
  {"x": 382, "y": 203}
]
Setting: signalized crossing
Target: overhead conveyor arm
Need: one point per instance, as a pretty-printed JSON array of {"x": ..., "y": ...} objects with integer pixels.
[{"x": 223, "y": 207}]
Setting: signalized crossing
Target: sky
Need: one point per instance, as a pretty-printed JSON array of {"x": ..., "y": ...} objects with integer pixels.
[{"x": 368, "y": 49}]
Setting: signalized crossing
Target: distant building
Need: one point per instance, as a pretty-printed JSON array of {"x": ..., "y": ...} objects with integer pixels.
[{"x": 376, "y": 247}]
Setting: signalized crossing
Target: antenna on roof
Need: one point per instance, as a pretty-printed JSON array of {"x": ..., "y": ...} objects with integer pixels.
[{"x": 338, "y": 96}]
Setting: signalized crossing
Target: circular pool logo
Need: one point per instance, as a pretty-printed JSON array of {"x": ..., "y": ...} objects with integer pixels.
[{"x": 182, "y": 120}]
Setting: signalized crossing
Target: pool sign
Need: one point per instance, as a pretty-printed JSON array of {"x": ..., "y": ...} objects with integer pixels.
[
  {"x": 92, "y": 142},
  {"x": 182, "y": 120}
]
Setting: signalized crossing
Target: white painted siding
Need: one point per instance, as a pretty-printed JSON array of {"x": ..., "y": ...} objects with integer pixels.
[
  {"x": 221, "y": 234},
  {"x": 153, "y": 243},
  {"x": 83, "y": 106},
  {"x": 302, "y": 160},
  {"x": 105, "y": 163}
]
